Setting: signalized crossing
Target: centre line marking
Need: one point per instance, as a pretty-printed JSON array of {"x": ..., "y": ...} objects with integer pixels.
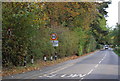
[
  {"x": 100, "y": 62},
  {"x": 90, "y": 72},
  {"x": 96, "y": 66}
]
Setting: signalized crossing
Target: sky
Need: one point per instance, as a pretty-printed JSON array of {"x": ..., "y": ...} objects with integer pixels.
[{"x": 112, "y": 13}]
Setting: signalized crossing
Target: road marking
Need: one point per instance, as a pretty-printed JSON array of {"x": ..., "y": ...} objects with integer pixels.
[
  {"x": 82, "y": 78},
  {"x": 46, "y": 75},
  {"x": 80, "y": 75},
  {"x": 102, "y": 59},
  {"x": 51, "y": 76},
  {"x": 54, "y": 71},
  {"x": 96, "y": 66},
  {"x": 100, "y": 62},
  {"x": 40, "y": 76},
  {"x": 75, "y": 75},
  {"x": 60, "y": 69},
  {"x": 83, "y": 75},
  {"x": 90, "y": 72},
  {"x": 70, "y": 75},
  {"x": 63, "y": 75}
]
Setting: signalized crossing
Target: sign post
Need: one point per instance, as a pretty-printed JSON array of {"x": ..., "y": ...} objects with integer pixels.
[{"x": 54, "y": 39}]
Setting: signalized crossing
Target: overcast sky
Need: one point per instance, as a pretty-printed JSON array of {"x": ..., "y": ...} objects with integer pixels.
[{"x": 112, "y": 13}]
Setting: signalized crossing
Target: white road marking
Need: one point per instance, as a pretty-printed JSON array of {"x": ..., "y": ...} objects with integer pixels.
[
  {"x": 83, "y": 75},
  {"x": 100, "y": 62},
  {"x": 57, "y": 69},
  {"x": 82, "y": 78},
  {"x": 96, "y": 66},
  {"x": 40, "y": 76},
  {"x": 63, "y": 75},
  {"x": 75, "y": 75},
  {"x": 80, "y": 75},
  {"x": 105, "y": 55},
  {"x": 61, "y": 69},
  {"x": 90, "y": 72},
  {"x": 102, "y": 59},
  {"x": 50, "y": 76},
  {"x": 70, "y": 75},
  {"x": 46, "y": 75}
]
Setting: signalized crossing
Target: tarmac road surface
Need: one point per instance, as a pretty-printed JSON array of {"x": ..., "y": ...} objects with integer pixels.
[{"x": 98, "y": 65}]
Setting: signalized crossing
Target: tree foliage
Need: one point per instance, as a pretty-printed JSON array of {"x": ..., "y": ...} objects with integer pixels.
[{"x": 80, "y": 26}]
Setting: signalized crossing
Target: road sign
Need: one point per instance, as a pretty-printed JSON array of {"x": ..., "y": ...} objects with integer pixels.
[
  {"x": 55, "y": 43},
  {"x": 53, "y": 36}
]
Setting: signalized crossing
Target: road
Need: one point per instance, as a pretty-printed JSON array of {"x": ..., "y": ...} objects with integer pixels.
[{"x": 98, "y": 65}]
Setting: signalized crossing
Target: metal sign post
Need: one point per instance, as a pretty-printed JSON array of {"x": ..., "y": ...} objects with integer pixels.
[{"x": 54, "y": 39}]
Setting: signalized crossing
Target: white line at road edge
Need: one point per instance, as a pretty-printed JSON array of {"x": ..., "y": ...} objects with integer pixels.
[
  {"x": 51, "y": 76},
  {"x": 63, "y": 75},
  {"x": 83, "y": 75}
]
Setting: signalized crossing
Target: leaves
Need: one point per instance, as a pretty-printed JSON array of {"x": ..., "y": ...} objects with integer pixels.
[{"x": 27, "y": 27}]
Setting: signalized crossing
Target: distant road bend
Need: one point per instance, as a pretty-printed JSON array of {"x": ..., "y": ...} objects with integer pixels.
[{"x": 98, "y": 65}]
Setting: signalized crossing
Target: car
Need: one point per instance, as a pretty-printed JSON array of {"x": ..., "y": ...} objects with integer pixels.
[{"x": 106, "y": 47}]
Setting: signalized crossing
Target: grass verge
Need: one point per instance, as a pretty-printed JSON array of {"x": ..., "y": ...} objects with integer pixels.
[{"x": 117, "y": 52}]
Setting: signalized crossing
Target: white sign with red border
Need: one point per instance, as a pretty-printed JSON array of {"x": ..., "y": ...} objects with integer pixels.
[{"x": 53, "y": 36}]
